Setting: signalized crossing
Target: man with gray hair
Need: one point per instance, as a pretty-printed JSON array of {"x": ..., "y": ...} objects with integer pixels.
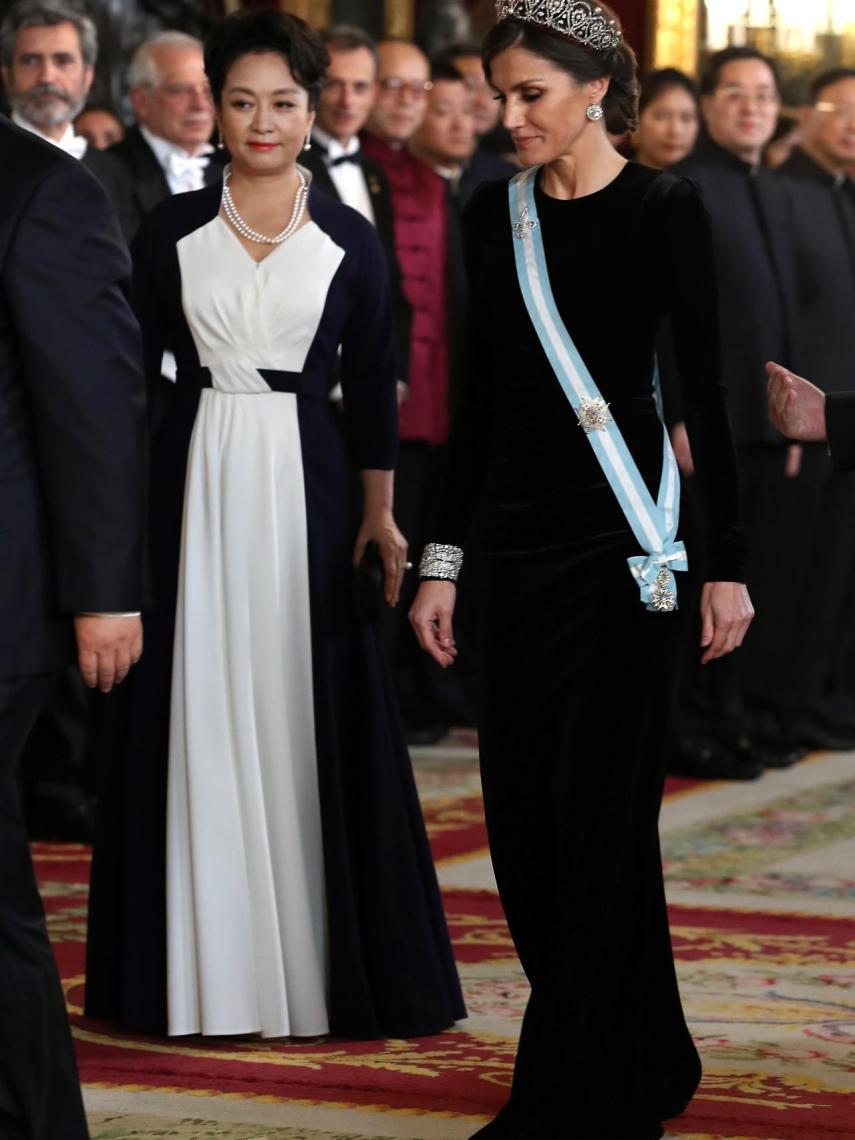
[
  {"x": 48, "y": 50},
  {"x": 169, "y": 150}
]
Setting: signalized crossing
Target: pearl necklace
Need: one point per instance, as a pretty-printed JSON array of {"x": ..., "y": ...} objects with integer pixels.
[{"x": 253, "y": 235}]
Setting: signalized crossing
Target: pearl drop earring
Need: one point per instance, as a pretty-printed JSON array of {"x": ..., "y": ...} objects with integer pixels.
[{"x": 307, "y": 145}]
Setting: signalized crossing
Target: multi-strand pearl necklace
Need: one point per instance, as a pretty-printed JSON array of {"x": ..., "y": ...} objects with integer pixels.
[{"x": 253, "y": 235}]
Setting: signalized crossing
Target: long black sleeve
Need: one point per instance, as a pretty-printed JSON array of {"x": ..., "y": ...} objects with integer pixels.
[
  {"x": 694, "y": 325},
  {"x": 66, "y": 277},
  {"x": 469, "y": 441}
]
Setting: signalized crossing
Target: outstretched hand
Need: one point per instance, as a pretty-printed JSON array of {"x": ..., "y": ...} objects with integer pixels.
[
  {"x": 796, "y": 407},
  {"x": 726, "y": 614},
  {"x": 431, "y": 618}
]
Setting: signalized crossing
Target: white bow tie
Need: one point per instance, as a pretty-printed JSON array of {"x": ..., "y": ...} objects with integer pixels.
[
  {"x": 76, "y": 146},
  {"x": 181, "y": 165}
]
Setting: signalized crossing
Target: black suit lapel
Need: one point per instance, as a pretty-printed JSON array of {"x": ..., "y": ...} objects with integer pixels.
[{"x": 313, "y": 161}]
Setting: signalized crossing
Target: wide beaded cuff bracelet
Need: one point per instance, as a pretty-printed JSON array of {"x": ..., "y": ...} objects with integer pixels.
[{"x": 441, "y": 561}]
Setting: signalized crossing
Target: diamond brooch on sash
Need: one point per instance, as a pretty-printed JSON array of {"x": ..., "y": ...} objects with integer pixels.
[
  {"x": 662, "y": 596},
  {"x": 525, "y": 225},
  {"x": 593, "y": 415}
]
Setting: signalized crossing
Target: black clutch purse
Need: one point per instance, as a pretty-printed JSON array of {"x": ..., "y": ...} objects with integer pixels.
[{"x": 368, "y": 585}]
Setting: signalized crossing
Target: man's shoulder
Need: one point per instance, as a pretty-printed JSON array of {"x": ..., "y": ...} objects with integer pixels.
[
  {"x": 134, "y": 153},
  {"x": 27, "y": 162},
  {"x": 23, "y": 153}
]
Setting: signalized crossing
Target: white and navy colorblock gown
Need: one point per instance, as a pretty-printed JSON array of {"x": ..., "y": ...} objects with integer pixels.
[{"x": 262, "y": 865}]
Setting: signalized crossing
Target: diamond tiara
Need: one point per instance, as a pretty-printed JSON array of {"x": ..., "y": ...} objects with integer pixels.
[{"x": 578, "y": 19}]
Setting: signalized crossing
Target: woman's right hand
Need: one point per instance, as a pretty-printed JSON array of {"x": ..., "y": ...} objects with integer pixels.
[{"x": 431, "y": 617}]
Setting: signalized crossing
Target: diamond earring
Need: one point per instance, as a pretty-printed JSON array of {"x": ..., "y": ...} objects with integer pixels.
[
  {"x": 595, "y": 112},
  {"x": 220, "y": 144},
  {"x": 307, "y": 145}
]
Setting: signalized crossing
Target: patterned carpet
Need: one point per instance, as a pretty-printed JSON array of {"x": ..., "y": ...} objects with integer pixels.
[{"x": 761, "y": 881}]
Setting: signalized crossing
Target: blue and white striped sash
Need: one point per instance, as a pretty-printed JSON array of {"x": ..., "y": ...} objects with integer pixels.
[{"x": 654, "y": 524}]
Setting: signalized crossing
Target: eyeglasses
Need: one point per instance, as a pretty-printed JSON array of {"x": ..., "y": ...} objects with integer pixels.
[
  {"x": 418, "y": 88},
  {"x": 186, "y": 90},
  {"x": 735, "y": 95},
  {"x": 843, "y": 111}
]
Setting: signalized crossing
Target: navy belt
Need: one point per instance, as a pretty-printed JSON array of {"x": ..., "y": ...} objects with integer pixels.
[{"x": 196, "y": 378}]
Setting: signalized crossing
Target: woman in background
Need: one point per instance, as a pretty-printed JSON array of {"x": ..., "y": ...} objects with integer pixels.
[{"x": 668, "y": 119}]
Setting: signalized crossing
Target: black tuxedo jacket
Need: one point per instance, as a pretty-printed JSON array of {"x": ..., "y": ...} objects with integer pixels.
[
  {"x": 384, "y": 219},
  {"x": 138, "y": 183},
  {"x": 756, "y": 262},
  {"x": 72, "y": 408},
  {"x": 825, "y": 231}
]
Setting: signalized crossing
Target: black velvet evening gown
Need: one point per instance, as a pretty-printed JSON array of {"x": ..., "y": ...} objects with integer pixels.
[{"x": 577, "y": 675}]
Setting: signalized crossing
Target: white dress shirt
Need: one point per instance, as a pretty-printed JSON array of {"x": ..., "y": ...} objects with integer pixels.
[
  {"x": 72, "y": 144},
  {"x": 348, "y": 177},
  {"x": 183, "y": 171}
]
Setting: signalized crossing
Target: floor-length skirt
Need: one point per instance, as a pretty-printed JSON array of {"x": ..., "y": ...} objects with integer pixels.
[
  {"x": 370, "y": 933},
  {"x": 577, "y": 680},
  {"x": 246, "y": 929}
]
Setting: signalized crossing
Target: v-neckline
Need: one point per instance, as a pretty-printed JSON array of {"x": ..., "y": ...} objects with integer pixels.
[{"x": 262, "y": 261}]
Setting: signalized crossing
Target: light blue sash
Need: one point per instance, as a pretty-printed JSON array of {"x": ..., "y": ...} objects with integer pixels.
[{"x": 653, "y": 524}]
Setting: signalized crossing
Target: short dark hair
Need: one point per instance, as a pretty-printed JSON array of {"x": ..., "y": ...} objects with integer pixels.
[
  {"x": 717, "y": 62},
  {"x": 828, "y": 79},
  {"x": 347, "y": 37},
  {"x": 255, "y": 31},
  {"x": 463, "y": 47},
  {"x": 665, "y": 79},
  {"x": 441, "y": 68},
  {"x": 583, "y": 64}
]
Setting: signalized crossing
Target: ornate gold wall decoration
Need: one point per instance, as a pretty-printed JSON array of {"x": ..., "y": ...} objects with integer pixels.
[
  {"x": 400, "y": 17},
  {"x": 314, "y": 12},
  {"x": 675, "y": 34}
]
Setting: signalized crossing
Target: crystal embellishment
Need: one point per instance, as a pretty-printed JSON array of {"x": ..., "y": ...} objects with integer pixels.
[
  {"x": 439, "y": 560},
  {"x": 593, "y": 415},
  {"x": 582, "y": 21},
  {"x": 525, "y": 225},
  {"x": 662, "y": 598}
]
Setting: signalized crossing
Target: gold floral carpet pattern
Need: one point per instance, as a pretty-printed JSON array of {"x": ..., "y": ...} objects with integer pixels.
[{"x": 761, "y": 882}]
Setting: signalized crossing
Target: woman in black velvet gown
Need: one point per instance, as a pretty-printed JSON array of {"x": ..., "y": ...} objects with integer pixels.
[{"x": 577, "y": 674}]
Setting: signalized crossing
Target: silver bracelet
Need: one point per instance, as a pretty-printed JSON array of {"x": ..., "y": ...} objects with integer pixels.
[{"x": 441, "y": 561}]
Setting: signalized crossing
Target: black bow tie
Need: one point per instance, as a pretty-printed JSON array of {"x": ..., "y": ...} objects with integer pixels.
[{"x": 342, "y": 158}]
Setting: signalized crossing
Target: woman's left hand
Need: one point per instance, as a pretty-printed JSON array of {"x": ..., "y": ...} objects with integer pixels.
[
  {"x": 383, "y": 530},
  {"x": 726, "y": 613}
]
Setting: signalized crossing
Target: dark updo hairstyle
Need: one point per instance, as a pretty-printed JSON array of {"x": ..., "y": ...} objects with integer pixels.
[
  {"x": 666, "y": 79},
  {"x": 583, "y": 64},
  {"x": 256, "y": 31}
]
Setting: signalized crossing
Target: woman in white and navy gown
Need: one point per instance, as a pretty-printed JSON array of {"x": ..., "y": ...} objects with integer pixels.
[{"x": 262, "y": 865}]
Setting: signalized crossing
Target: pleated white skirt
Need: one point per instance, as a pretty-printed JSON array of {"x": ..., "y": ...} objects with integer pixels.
[{"x": 246, "y": 925}]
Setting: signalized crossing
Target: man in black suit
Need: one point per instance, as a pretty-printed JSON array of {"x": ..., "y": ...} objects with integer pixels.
[
  {"x": 752, "y": 226},
  {"x": 71, "y": 552},
  {"x": 49, "y": 51},
  {"x": 339, "y": 167},
  {"x": 809, "y": 671},
  {"x": 168, "y": 151}
]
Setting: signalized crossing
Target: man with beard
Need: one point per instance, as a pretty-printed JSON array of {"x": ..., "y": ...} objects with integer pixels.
[{"x": 48, "y": 51}]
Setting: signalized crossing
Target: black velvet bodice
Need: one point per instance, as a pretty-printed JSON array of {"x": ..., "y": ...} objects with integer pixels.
[{"x": 618, "y": 265}]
